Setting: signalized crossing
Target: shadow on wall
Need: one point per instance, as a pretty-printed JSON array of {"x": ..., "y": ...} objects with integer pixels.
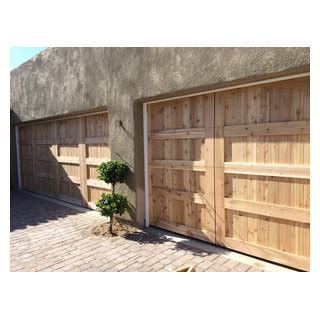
[
  {"x": 14, "y": 119},
  {"x": 41, "y": 177},
  {"x": 130, "y": 181},
  {"x": 139, "y": 158}
]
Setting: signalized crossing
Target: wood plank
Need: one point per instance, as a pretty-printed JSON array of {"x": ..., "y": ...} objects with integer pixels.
[
  {"x": 98, "y": 184},
  {"x": 268, "y": 129},
  {"x": 180, "y": 195},
  {"x": 269, "y": 210},
  {"x": 179, "y": 164},
  {"x": 45, "y": 141},
  {"x": 264, "y": 169},
  {"x": 148, "y": 159},
  {"x": 44, "y": 175},
  {"x": 74, "y": 160},
  {"x": 219, "y": 178},
  {"x": 188, "y": 133},
  {"x": 82, "y": 160},
  {"x": 285, "y": 258},
  {"x": 96, "y": 161},
  {"x": 55, "y": 153},
  {"x": 69, "y": 178},
  {"x": 62, "y": 140},
  {"x": 34, "y": 158},
  {"x": 97, "y": 140},
  {"x": 209, "y": 221}
]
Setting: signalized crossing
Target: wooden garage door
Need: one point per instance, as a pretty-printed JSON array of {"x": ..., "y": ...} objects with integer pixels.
[
  {"x": 181, "y": 166},
  {"x": 232, "y": 168},
  {"x": 262, "y": 174},
  {"x": 59, "y": 158}
]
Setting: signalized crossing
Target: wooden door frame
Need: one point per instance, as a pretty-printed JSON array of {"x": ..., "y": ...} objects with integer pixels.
[{"x": 145, "y": 125}]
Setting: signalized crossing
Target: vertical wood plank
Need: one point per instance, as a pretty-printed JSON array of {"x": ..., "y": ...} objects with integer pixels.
[
  {"x": 219, "y": 121},
  {"x": 35, "y": 186},
  {"x": 82, "y": 161},
  {"x": 55, "y": 153},
  {"x": 209, "y": 164},
  {"x": 151, "y": 199}
]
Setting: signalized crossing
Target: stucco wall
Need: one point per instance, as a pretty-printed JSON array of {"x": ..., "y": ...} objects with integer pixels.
[{"x": 66, "y": 80}]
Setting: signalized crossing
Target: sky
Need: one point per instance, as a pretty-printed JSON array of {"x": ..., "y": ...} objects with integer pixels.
[{"x": 19, "y": 55}]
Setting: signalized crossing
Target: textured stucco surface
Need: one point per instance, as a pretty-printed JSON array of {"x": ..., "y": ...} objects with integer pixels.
[{"x": 65, "y": 80}]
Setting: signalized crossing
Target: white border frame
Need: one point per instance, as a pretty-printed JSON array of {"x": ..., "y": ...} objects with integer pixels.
[{"x": 145, "y": 125}]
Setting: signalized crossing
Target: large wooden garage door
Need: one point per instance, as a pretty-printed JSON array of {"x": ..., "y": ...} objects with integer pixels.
[
  {"x": 262, "y": 171},
  {"x": 59, "y": 158},
  {"x": 181, "y": 166},
  {"x": 256, "y": 198}
]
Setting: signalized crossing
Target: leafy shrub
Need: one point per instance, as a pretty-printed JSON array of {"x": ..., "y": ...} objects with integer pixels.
[
  {"x": 110, "y": 204},
  {"x": 113, "y": 203},
  {"x": 112, "y": 172}
]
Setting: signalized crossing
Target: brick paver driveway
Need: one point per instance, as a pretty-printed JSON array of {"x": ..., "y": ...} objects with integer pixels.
[{"x": 47, "y": 236}]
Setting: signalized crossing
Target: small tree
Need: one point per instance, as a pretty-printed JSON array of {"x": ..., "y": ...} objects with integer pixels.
[{"x": 108, "y": 205}]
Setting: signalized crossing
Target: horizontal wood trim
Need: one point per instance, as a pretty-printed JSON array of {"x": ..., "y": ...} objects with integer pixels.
[
  {"x": 62, "y": 117},
  {"x": 179, "y": 195},
  {"x": 97, "y": 140},
  {"x": 87, "y": 140},
  {"x": 89, "y": 161},
  {"x": 273, "y": 255},
  {"x": 72, "y": 179},
  {"x": 74, "y": 160},
  {"x": 268, "y": 129},
  {"x": 44, "y": 175},
  {"x": 179, "y": 164},
  {"x": 98, "y": 184},
  {"x": 193, "y": 133},
  {"x": 96, "y": 161},
  {"x": 273, "y": 170},
  {"x": 68, "y": 140},
  {"x": 45, "y": 141},
  {"x": 203, "y": 235},
  {"x": 268, "y": 210}
]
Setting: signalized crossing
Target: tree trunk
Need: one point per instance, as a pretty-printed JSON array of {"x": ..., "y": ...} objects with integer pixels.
[
  {"x": 110, "y": 224},
  {"x": 111, "y": 217}
]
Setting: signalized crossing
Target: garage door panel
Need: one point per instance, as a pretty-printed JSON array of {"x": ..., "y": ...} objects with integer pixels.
[
  {"x": 68, "y": 150},
  {"x": 94, "y": 193},
  {"x": 264, "y": 134},
  {"x": 180, "y": 153},
  {"x": 54, "y": 156},
  {"x": 68, "y": 128},
  {"x": 233, "y": 168},
  {"x": 97, "y": 126},
  {"x": 98, "y": 150},
  {"x": 45, "y": 167},
  {"x": 44, "y": 131},
  {"x": 46, "y": 186},
  {"x": 70, "y": 189}
]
